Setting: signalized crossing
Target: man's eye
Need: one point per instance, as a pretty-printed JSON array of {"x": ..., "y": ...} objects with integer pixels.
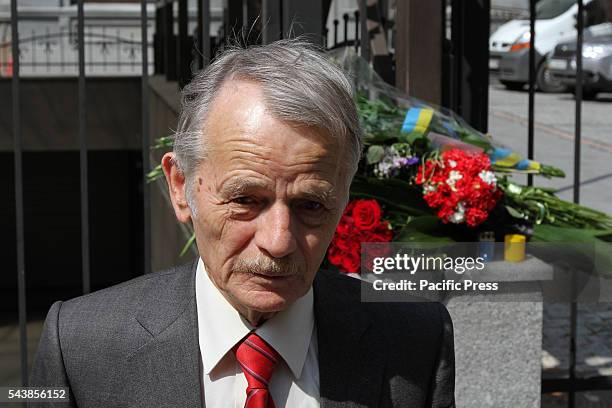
[
  {"x": 312, "y": 206},
  {"x": 244, "y": 200}
]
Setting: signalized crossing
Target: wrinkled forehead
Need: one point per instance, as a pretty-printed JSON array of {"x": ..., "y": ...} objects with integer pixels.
[{"x": 241, "y": 127}]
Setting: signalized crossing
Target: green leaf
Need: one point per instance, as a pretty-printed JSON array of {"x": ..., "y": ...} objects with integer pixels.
[
  {"x": 475, "y": 140},
  {"x": 164, "y": 141},
  {"x": 513, "y": 188},
  {"x": 412, "y": 137},
  {"x": 515, "y": 213},
  {"x": 396, "y": 194},
  {"x": 154, "y": 174},
  {"x": 375, "y": 154},
  {"x": 187, "y": 245}
]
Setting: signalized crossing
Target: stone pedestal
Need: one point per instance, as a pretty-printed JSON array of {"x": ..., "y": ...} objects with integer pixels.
[{"x": 498, "y": 344}]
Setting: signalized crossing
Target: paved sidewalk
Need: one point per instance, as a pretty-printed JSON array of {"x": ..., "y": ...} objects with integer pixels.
[{"x": 593, "y": 340}]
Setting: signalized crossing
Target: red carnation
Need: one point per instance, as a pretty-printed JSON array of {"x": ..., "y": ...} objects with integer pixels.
[{"x": 460, "y": 186}]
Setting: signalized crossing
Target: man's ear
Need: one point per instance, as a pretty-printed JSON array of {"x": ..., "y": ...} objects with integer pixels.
[{"x": 176, "y": 187}]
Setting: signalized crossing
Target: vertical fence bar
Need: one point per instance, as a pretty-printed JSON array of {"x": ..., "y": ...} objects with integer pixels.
[
  {"x": 345, "y": 17},
  {"x": 271, "y": 20},
  {"x": 199, "y": 33},
  {"x": 83, "y": 150},
  {"x": 158, "y": 50},
  {"x": 364, "y": 40},
  {"x": 204, "y": 31},
  {"x": 183, "y": 61},
  {"x": 532, "y": 75},
  {"x": 336, "y": 22},
  {"x": 146, "y": 165},
  {"x": 245, "y": 17},
  {"x": 579, "y": 91},
  {"x": 577, "y": 147},
  {"x": 356, "y": 30},
  {"x": 21, "y": 281},
  {"x": 166, "y": 36},
  {"x": 448, "y": 79},
  {"x": 458, "y": 46}
]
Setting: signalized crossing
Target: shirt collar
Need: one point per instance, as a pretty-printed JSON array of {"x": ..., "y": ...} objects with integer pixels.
[{"x": 221, "y": 326}]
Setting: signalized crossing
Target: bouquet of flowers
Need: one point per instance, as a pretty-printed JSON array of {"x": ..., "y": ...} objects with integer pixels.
[
  {"x": 431, "y": 177},
  {"x": 461, "y": 186}
]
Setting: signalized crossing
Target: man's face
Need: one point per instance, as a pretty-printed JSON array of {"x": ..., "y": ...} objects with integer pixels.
[{"x": 268, "y": 198}]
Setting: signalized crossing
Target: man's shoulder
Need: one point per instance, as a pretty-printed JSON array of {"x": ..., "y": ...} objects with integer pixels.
[
  {"x": 125, "y": 297},
  {"x": 420, "y": 312}
]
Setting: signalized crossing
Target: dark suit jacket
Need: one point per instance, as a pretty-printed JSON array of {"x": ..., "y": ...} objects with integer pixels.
[{"x": 136, "y": 345}]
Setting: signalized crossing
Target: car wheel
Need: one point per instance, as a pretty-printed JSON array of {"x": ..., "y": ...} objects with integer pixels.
[
  {"x": 512, "y": 86},
  {"x": 546, "y": 82}
]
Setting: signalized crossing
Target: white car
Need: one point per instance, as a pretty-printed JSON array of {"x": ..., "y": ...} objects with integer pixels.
[{"x": 509, "y": 44}]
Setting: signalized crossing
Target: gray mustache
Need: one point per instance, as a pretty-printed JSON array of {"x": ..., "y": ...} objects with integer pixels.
[{"x": 267, "y": 266}]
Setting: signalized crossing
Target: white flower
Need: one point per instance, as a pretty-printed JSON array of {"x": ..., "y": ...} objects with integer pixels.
[
  {"x": 488, "y": 177},
  {"x": 390, "y": 164},
  {"x": 453, "y": 176},
  {"x": 457, "y": 218},
  {"x": 383, "y": 168},
  {"x": 428, "y": 188},
  {"x": 459, "y": 215},
  {"x": 452, "y": 163}
]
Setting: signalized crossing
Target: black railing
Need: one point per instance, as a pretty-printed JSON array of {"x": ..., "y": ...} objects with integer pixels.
[
  {"x": 174, "y": 55},
  {"x": 108, "y": 52},
  {"x": 573, "y": 383},
  {"x": 346, "y": 40},
  {"x": 18, "y": 162},
  {"x": 82, "y": 44}
]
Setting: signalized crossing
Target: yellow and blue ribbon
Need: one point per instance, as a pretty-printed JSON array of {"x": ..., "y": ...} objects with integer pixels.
[
  {"x": 417, "y": 121},
  {"x": 503, "y": 157}
]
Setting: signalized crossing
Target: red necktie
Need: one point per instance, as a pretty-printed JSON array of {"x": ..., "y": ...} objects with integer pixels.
[{"x": 257, "y": 360}]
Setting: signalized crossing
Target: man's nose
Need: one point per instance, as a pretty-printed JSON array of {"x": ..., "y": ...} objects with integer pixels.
[{"x": 274, "y": 232}]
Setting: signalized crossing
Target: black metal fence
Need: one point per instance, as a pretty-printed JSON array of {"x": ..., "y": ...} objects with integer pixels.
[
  {"x": 77, "y": 41},
  {"x": 55, "y": 52},
  {"x": 175, "y": 55},
  {"x": 573, "y": 383}
]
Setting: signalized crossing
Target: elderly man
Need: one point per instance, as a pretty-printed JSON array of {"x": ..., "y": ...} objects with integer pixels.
[{"x": 267, "y": 144}]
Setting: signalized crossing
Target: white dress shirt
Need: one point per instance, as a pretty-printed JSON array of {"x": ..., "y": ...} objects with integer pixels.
[{"x": 292, "y": 333}]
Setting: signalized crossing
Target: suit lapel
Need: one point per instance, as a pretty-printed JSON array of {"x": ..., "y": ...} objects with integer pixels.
[
  {"x": 351, "y": 353},
  {"x": 166, "y": 369}
]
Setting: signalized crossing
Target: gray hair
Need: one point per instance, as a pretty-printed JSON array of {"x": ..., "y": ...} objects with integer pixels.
[{"x": 300, "y": 85}]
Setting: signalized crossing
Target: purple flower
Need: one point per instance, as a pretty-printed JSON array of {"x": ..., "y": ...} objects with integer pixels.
[
  {"x": 392, "y": 162},
  {"x": 412, "y": 160}
]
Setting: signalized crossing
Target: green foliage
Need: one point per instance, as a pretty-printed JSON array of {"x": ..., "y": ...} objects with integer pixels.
[
  {"x": 188, "y": 245},
  {"x": 381, "y": 121},
  {"x": 162, "y": 142},
  {"x": 397, "y": 195},
  {"x": 540, "y": 206},
  {"x": 375, "y": 154},
  {"x": 154, "y": 174}
]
